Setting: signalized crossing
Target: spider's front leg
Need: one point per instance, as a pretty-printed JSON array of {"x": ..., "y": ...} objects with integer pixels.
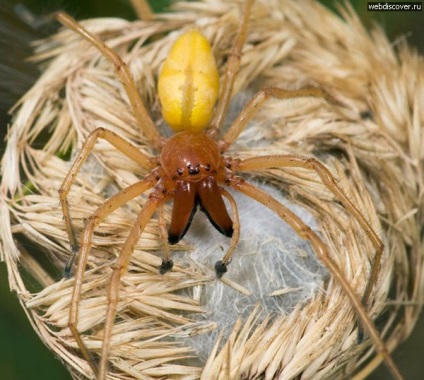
[
  {"x": 144, "y": 121},
  {"x": 120, "y": 144}
]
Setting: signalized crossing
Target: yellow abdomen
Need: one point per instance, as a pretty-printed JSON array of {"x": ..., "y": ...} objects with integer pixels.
[{"x": 189, "y": 83}]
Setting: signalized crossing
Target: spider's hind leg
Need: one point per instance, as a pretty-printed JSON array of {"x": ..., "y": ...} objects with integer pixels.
[
  {"x": 231, "y": 71},
  {"x": 322, "y": 252}
]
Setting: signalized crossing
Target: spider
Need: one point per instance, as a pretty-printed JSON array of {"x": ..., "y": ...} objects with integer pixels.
[{"x": 191, "y": 170}]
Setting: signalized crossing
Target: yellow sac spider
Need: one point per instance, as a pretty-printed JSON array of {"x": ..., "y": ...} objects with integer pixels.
[{"x": 191, "y": 169}]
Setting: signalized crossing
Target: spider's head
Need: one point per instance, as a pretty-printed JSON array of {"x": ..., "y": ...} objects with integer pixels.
[{"x": 190, "y": 156}]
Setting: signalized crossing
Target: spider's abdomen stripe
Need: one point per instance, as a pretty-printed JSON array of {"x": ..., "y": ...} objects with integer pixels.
[{"x": 189, "y": 83}]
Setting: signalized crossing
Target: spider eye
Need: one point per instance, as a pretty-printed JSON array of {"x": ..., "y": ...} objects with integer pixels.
[
  {"x": 193, "y": 169},
  {"x": 180, "y": 171}
]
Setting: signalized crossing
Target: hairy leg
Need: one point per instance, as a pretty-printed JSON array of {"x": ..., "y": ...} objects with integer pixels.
[
  {"x": 320, "y": 249},
  {"x": 139, "y": 110},
  {"x": 233, "y": 66},
  {"x": 279, "y": 161},
  {"x": 154, "y": 201},
  {"x": 258, "y": 101},
  {"x": 142, "y": 9},
  {"x": 119, "y": 143},
  {"x": 95, "y": 219}
]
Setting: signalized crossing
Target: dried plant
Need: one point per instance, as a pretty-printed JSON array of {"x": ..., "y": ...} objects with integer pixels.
[{"x": 277, "y": 314}]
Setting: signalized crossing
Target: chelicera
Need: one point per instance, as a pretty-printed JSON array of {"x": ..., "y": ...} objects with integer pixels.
[{"x": 192, "y": 170}]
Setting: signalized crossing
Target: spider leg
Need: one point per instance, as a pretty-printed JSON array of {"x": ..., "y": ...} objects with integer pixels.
[
  {"x": 154, "y": 201},
  {"x": 320, "y": 249},
  {"x": 139, "y": 110},
  {"x": 142, "y": 9},
  {"x": 119, "y": 143},
  {"x": 256, "y": 103},
  {"x": 221, "y": 265},
  {"x": 266, "y": 162},
  {"x": 167, "y": 263},
  {"x": 233, "y": 66},
  {"x": 95, "y": 219}
]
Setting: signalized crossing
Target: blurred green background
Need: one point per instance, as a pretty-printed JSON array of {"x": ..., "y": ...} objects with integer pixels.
[{"x": 22, "y": 355}]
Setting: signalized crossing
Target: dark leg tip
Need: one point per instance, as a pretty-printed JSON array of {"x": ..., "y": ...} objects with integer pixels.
[
  {"x": 69, "y": 268},
  {"x": 361, "y": 336},
  {"x": 67, "y": 273},
  {"x": 220, "y": 268},
  {"x": 366, "y": 115},
  {"x": 166, "y": 266}
]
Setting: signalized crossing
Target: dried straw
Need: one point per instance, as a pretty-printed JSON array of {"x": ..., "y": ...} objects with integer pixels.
[{"x": 186, "y": 324}]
